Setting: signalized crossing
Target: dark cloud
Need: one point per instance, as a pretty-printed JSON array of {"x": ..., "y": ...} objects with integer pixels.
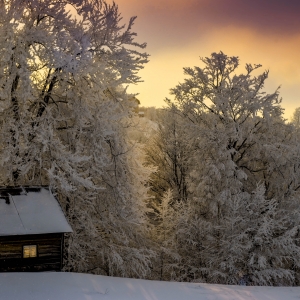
[
  {"x": 175, "y": 22},
  {"x": 265, "y": 16}
]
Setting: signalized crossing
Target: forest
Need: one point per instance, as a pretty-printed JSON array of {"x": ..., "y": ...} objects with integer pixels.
[{"x": 206, "y": 189}]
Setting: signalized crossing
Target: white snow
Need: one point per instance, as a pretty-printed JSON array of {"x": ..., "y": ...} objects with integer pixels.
[
  {"x": 74, "y": 286},
  {"x": 32, "y": 213}
]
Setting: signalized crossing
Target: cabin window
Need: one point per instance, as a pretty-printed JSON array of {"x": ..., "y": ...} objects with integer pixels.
[{"x": 29, "y": 251}]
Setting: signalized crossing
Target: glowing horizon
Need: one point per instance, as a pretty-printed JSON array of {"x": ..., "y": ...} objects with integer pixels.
[{"x": 179, "y": 32}]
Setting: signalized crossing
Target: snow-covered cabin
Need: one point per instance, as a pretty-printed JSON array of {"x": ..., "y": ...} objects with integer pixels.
[{"x": 32, "y": 227}]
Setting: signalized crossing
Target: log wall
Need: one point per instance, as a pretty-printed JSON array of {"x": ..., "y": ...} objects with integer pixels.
[{"x": 49, "y": 253}]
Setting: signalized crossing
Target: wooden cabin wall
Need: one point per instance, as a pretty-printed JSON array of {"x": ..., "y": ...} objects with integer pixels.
[{"x": 49, "y": 253}]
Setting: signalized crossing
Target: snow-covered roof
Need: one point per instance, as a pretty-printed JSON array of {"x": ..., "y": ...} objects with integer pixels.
[{"x": 30, "y": 211}]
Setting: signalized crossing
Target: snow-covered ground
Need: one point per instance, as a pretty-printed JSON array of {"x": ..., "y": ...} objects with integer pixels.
[{"x": 72, "y": 286}]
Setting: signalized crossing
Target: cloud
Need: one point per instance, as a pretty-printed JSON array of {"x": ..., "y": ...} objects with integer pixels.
[
  {"x": 271, "y": 16},
  {"x": 175, "y": 21}
]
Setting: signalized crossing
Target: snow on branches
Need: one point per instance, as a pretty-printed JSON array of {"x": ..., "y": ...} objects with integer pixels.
[
  {"x": 62, "y": 64},
  {"x": 240, "y": 221}
]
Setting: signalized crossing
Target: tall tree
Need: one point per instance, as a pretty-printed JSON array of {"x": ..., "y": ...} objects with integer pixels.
[
  {"x": 240, "y": 221},
  {"x": 62, "y": 124}
]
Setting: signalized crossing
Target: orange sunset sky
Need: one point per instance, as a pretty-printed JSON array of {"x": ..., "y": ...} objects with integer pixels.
[{"x": 178, "y": 32}]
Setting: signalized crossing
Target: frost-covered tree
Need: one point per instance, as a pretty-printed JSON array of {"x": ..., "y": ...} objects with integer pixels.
[
  {"x": 63, "y": 116},
  {"x": 166, "y": 264},
  {"x": 240, "y": 223},
  {"x": 296, "y": 117},
  {"x": 168, "y": 150}
]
